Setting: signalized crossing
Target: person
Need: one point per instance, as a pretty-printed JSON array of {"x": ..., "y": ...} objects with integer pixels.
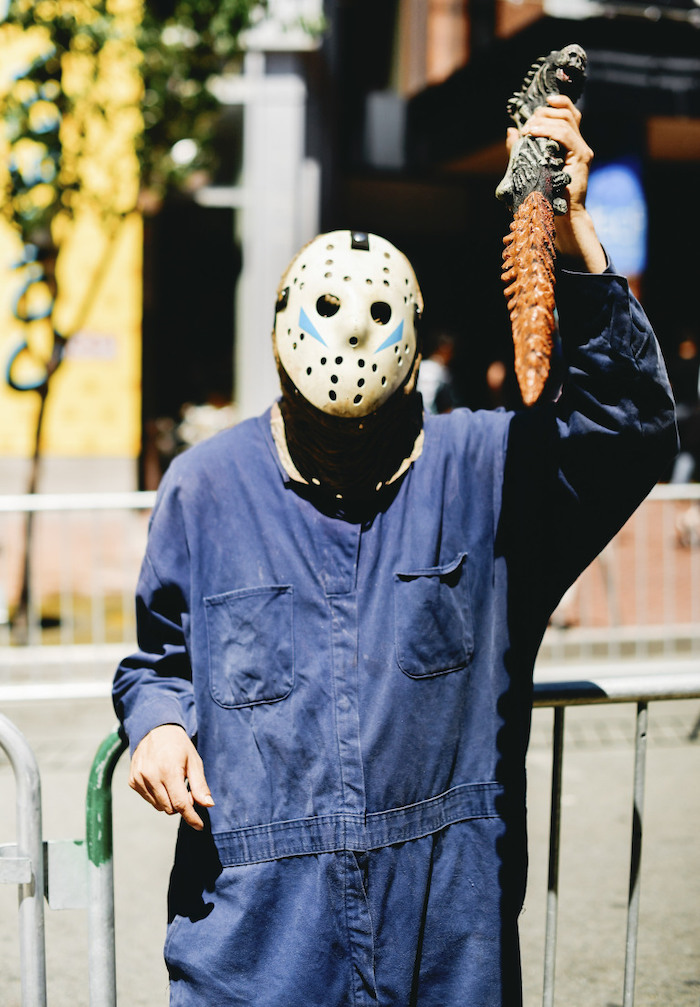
[
  {"x": 684, "y": 374},
  {"x": 339, "y": 611},
  {"x": 435, "y": 382}
]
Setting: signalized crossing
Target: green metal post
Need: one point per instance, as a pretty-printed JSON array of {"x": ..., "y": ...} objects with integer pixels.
[{"x": 98, "y": 826}]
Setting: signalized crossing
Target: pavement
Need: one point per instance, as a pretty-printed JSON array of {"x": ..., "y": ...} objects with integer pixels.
[{"x": 596, "y": 823}]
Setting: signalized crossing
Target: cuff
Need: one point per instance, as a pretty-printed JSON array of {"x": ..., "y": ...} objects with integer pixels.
[{"x": 155, "y": 714}]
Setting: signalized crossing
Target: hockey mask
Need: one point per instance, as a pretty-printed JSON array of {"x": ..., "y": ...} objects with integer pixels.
[{"x": 345, "y": 323}]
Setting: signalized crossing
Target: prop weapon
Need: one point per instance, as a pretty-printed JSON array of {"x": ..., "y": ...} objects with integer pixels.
[{"x": 533, "y": 187}]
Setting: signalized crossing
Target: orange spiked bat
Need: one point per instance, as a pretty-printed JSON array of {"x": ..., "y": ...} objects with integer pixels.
[{"x": 532, "y": 188}]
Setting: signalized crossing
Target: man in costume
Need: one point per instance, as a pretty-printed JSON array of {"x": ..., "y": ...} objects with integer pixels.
[{"x": 339, "y": 611}]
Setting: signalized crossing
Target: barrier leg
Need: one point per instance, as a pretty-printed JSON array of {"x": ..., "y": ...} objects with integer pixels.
[
  {"x": 636, "y": 854},
  {"x": 29, "y": 845},
  {"x": 550, "y": 944},
  {"x": 101, "y": 951}
]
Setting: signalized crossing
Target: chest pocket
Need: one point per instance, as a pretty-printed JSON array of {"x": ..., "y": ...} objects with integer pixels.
[
  {"x": 251, "y": 650},
  {"x": 433, "y": 619}
]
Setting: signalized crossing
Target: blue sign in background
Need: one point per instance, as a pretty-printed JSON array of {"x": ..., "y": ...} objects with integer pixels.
[{"x": 618, "y": 207}]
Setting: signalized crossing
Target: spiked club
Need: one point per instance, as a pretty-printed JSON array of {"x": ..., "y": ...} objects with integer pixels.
[{"x": 533, "y": 188}]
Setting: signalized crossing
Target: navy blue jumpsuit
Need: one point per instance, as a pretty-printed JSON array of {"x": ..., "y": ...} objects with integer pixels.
[{"x": 360, "y": 693}]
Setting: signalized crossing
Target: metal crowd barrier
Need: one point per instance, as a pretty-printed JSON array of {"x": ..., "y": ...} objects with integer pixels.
[
  {"x": 640, "y": 598},
  {"x": 640, "y": 689},
  {"x": 69, "y": 874},
  {"x": 80, "y": 875},
  {"x": 79, "y": 574}
]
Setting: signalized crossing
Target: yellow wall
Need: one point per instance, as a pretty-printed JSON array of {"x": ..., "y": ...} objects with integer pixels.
[{"x": 93, "y": 408}]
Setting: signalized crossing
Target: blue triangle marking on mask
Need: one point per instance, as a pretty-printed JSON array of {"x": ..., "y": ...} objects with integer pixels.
[
  {"x": 395, "y": 337},
  {"x": 308, "y": 326}
]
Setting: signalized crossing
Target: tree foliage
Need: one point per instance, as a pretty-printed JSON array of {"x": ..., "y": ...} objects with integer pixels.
[
  {"x": 68, "y": 99},
  {"x": 182, "y": 51}
]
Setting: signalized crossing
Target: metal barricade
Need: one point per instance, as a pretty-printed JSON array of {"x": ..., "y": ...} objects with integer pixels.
[
  {"x": 640, "y": 689},
  {"x": 74, "y": 575},
  {"x": 639, "y": 598},
  {"x": 84, "y": 877},
  {"x": 100, "y": 872},
  {"x": 70, "y": 874},
  {"x": 23, "y": 864}
]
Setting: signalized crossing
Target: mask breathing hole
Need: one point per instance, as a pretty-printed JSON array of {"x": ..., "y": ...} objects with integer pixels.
[
  {"x": 353, "y": 340},
  {"x": 327, "y": 305},
  {"x": 357, "y": 399},
  {"x": 332, "y": 396},
  {"x": 380, "y": 312}
]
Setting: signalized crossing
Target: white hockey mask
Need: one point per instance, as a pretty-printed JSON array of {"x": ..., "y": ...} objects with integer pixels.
[{"x": 345, "y": 325}]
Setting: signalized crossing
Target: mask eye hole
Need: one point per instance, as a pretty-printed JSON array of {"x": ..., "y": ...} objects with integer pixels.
[
  {"x": 282, "y": 300},
  {"x": 327, "y": 305},
  {"x": 380, "y": 312}
]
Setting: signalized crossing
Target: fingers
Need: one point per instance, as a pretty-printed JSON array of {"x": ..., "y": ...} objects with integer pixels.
[
  {"x": 182, "y": 803},
  {"x": 163, "y": 764},
  {"x": 559, "y": 120},
  {"x": 199, "y": 788},
  {"x": 183, "y": 797},
  {"x": 559, "y": 106}
]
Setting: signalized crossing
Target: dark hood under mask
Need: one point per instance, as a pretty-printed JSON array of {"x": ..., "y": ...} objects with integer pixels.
[{"x": 351, "y": 459}]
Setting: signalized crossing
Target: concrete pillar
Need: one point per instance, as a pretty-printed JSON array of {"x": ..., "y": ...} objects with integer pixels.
[{"x": 279, "y": 214}]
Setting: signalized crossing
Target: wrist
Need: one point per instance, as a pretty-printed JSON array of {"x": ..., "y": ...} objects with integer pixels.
[{"x": 577, "y": 241}]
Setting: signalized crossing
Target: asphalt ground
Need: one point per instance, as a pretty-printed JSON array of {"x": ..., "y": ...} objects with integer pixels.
[{"x": 594, "y": 872}]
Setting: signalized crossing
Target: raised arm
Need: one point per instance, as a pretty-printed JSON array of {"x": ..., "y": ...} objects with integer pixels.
[{"x": 578, "y": 467}]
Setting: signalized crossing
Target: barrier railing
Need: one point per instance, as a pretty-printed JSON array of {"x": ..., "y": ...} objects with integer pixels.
[
  {"x": 641, "y": 597},
  {"x": 70, "y": 874},
  {"x": 23, "y": 864},
  {"x": 84, "y": 877},
  {"x": 639, "y": 689},
  {"x": 78, "y": 578}
]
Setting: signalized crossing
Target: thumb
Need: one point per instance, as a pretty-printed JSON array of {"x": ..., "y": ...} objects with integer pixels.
[
  {"x": 199, "y": 788},
  {"x": 512, "y": 136}
]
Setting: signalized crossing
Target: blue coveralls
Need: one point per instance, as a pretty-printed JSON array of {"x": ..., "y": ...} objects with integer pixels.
[{"x": 360, "y": 692}]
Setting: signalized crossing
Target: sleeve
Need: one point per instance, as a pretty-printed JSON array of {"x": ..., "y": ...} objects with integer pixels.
[
  {"x": 153, "y": 686},
  {"x": 578, "y": 467}
]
